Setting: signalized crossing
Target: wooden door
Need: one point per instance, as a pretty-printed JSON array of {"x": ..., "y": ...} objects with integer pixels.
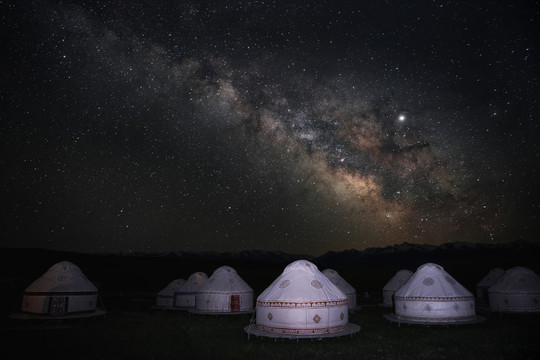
[
  {"x": 235, "y": 303},
  {"x": 58, "y": 305}
]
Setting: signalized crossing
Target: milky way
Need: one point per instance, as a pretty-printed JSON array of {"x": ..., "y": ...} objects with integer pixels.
[{"x": 243, "y": 125}]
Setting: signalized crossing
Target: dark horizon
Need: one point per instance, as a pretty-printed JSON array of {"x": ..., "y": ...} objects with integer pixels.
[{"x": 455, "y": 245}]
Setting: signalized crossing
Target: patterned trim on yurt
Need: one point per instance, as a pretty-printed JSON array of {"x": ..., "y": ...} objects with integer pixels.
[
  {"x": 223, "y": 292},
  {"x": 517, "y": 292},
  {"x": 433, "y": 299},
  {"x": 48, "y": 313},
  {"x": 302, "y": 331},
  {"x": 435, "y": 319},
  {"x": 314, "y": 304}
]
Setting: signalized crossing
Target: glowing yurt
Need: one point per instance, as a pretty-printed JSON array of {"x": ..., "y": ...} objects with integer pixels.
[
  {"x": 302, "y": 302},
  {"x": 516, "y": 291},
  {"x": 342, "y": 285},
  {"x": 483, "y": 286},
  {"x": 165, "y": 298},
  {"x": 432, "y": 296},
  {"x": 393, "y": 284},
  {"x": 184, "y": 298},
  {"x": 225, "y": 292},
  {"x": 62, "y": 291}
]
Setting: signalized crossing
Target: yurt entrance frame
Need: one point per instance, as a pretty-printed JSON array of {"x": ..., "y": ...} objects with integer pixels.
[
  {"x": 235, "y": 303},
  {"x": 58, "y": 305}
]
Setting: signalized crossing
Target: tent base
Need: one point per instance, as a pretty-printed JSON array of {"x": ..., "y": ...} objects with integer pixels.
[
  {"x": 251, "y": 329},
  {"x": 25, "y": 316},
  {"x": 393, "y": 318},
  {"x": 205, "y": 312},
  {"x": 511, "y": 311},
  {"x": 156, "y": 307}
]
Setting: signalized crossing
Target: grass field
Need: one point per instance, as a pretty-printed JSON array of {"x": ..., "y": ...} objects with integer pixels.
[
  {"x": 179, "y": 335},
  {"x": 132, "y": 330}
]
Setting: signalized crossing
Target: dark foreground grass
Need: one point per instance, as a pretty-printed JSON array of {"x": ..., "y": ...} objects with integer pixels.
[{"x": 178, "y": 335}]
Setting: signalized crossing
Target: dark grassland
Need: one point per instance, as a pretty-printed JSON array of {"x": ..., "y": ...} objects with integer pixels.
[
  {"x": 179, "y": 335},
  {"x": 133, "y": 330}
]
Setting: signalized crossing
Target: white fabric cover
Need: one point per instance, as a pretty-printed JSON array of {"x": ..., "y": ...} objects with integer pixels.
[
  {"x": 432, "y": 295},
  {"x": 483, "y": 286},
  {"x": 165, "y": 297},
  {"x": 185, "y": 296},
  {"x": 518, "y": 290},
  {"x": 342, "y": 285},
  {"x": 393, "y": 284},
  {"x": 302, "y": 301},
  {"x": 61, "y": 290},
  {"x": 224, "y": 292}
]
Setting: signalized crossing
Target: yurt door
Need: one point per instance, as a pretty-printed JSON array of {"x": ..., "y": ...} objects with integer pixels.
[
  {"x": 235, "y": 303},
  {"x": 58, "y": 305}
]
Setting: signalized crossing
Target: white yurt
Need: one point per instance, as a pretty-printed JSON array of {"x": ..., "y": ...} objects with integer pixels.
[
  {"x": 393, "y": 284},
  {"x": 432, "y": 296},
  {"x": 62, "y": 291},
  {"x": 184, "y": 298},
  {"x": 302, "y": 302},
  {"x": 165, "y": 297},
  {"x": 517, "y": 291},
  {"x": 342, "y": 285},
  {"x": 225, "y": 292},
  {"x": 483, "y": 286}
]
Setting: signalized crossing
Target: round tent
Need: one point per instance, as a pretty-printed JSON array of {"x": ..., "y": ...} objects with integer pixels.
[
  {"x": 184, "y": 298},
  {"x": 483, "y": 286},
  {"x": 342, "y": 285},
  {"x": 225, "y": 292},
  {"x": 165, "y": 298},
  {"x": 432, "y": 296},
  {"x": 517, "y": 290},
  {"x": 302, "y": 302},
  {"x": 393, "y": 284},
  {"x": 62, "y": 291}
]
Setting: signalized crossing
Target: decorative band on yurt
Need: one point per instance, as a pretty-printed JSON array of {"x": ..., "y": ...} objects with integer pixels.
[
  {"x": 301, "y": 331},
  {"x": 314, "y": 304}
]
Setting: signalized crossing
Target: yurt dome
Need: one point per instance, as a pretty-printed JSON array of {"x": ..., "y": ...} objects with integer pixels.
[
  {"x": 431, "y": 295},
  {"x": 61, "y": 290},
  {"x": 184, "y": 298},
  {"x": 302, "y": 301},
  {"x": 393, "y": 284},
  {"x": 517, "y": 290},
  {"x": 342, "y": 285},
  {"x": 483, "y": 286},
  {"x": 165, "y": 298},
  {"x": 224, "y": 292}
]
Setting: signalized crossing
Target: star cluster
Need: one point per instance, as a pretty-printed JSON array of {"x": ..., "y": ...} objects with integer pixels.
[{"x": 294, "y": 126}]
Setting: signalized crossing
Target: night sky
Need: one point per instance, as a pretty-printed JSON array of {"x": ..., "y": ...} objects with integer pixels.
[{"x": 295, "y": 126}]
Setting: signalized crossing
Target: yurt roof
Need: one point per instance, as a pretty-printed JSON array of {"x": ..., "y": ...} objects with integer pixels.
[
  {"x": 301, "y": 281},
  {"x": 398, "y": 279},
  {"x": 225, "y": 279},
  {"x": 172, "y": 287},
  {"x": 194, "y": 282},
  {"x": 62, "y": 277},
  {"x": 517, "y": 279},
  {"x": 492, "y": 276},
  {"x": 432, "y": 281},
  {"x": 339, "y": 281}
]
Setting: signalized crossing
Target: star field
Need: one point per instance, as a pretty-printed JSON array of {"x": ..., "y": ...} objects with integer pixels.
[{"x": 294, "y": 126}]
